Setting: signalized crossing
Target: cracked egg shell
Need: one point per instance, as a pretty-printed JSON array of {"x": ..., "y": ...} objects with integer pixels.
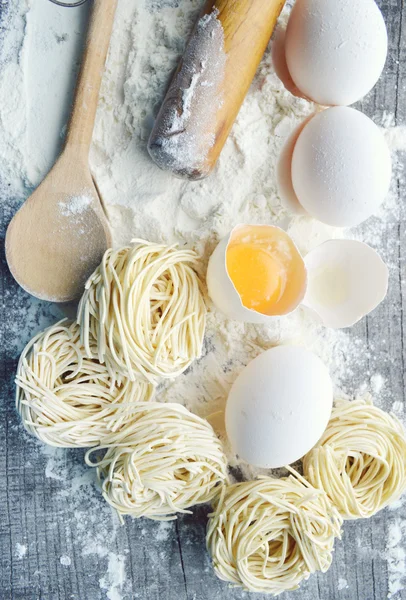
[
  {"x": 256, "y": 273},
  {"x": 347, "y": 280},
  {"x": 284, "y": 171}
]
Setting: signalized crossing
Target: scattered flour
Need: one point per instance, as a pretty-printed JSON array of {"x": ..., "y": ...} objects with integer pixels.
[
  {"x": 50, "y": 471},
  {"x": 21, "y": 551},
  {"x": 77, "y": 205},
  {"x": 377, "y": 383},
  {"x": 13, "y": 122},
  {"x": 65, "y": 560},
  {"x": 396, "y": 556},
  {"x": 342, "y": 584},
  {"x": 114, "y": 579},
  {"x": 165, "y": 529}
]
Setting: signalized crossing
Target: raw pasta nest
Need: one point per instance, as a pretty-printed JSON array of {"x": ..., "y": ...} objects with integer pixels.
[
  {"x": 144, "y": 306},
  {"x": 361, "y": 459},
  {"x": 269, "y": 535},
  {"x": 67, "y": 399},
  {"x": 163, "y": 462}
]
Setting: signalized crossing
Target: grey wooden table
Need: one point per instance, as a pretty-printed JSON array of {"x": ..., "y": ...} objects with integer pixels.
[{"x": 58, "y": 539}]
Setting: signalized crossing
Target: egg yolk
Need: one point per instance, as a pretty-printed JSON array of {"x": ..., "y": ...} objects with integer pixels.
[{"x": 257, "y": 275}]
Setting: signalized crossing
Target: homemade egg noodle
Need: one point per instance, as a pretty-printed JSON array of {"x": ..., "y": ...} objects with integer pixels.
[
  {"x": 142, "y": 318},
  {"x": 67, "y": 399},
  {"x": 360, "y": 461},
  {"x": 144, "y": 306},
  {"x": 269, "y": 535},
  {"x": 163, "y": 462}
]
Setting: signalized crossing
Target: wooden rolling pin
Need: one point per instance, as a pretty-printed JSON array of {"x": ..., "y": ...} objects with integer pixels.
[
  {"x": 210, "y": 84},
  {"x": 60, "y": 234}
]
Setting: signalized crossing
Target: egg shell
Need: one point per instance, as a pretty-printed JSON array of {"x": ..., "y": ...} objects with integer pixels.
[
  {"x": 284, "y": 172},
  {"x": 223, "y": 292},
  {"x": 341, "y": 167},
  {"x": 280, "y": 64},
  {"x": 347, "y": 280},
  {"x": 279, "y": 407},
  {"x": 336, "y": 49}
]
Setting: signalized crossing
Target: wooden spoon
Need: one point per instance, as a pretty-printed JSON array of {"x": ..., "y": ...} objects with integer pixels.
[
  {"x": 58, "y": 237},
  {"x": 210, "y": 84}
]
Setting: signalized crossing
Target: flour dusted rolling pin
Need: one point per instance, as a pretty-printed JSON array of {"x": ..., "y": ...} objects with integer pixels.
[
  {"x": 210, "y": 84},
  {"x": 59, "y": 235}
]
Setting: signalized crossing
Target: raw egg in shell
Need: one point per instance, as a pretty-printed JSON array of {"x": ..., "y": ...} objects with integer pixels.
[
  {"x": 339, "y": 167},
  {"x": 255, "y": 273},
  {"x": 335, "y": 49},
  {"x": 279, "y": 407}
]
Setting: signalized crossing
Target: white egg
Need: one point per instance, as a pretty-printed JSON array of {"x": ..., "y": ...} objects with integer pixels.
[
  {"x": 336, "y": 49},
  {"x": 279, "y": 407},
  {"x": 223, "y": 292},
  {"x": 346, "y": 281},
  {"x": 341, "y": 167}
]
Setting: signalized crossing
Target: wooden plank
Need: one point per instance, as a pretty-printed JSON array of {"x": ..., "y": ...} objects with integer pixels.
[{"x": 49, "y": 507}]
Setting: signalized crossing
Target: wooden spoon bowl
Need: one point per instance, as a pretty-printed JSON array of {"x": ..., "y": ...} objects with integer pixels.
[{"x": 59, "y": 236}]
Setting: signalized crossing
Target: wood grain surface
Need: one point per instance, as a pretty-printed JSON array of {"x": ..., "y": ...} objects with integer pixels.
[{"x": 57, "y": 537}]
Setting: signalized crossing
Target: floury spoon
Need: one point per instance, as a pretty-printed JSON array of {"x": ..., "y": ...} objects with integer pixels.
[{"x": 58, "y": 237}]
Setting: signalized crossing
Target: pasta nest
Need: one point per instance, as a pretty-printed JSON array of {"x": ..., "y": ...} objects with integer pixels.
[
  {"x": 270, "y": 534},
  {"x": 163, "y": 462},
  {"x": 145, "y": 308},
  {"x": 67, "y": 399},
  {"x": 360, "y": 461}
]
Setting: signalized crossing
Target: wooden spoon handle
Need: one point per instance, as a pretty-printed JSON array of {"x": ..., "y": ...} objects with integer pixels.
[
  {"x": 177, "y": 143},
  {"x": 88, "y": 87}
]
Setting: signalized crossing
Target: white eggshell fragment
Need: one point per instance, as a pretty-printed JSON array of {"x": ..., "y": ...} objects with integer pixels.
[
  {"x": 284, "y": 172},
  {"x": 222, "y": 291},
  {"x": 336, "y": 49},
  {"x": 279, "y": 62},
  {"x": 226, "y": 297},
  {"x": 279, "y": 407},
  {"x": 347, "y": 280},
  {"x": 341, "y": 167}
]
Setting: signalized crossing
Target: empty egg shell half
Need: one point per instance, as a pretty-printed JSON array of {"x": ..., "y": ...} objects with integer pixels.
[
  {"x": 347, "y": 279},
  {"x": 264, "y": 261}
]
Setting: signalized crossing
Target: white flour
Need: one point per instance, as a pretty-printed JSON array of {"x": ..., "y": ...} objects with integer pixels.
[
  {"x": 342, "y": 584},
  {"x": 65, "y": 560},
  {"x": 396, "y": 556},
  {"x": 77, "y": 205},
  {"x": 142, "y": 201},
  {"x": 114, "y": 579},
  {"x": 21, "y": 551}
]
